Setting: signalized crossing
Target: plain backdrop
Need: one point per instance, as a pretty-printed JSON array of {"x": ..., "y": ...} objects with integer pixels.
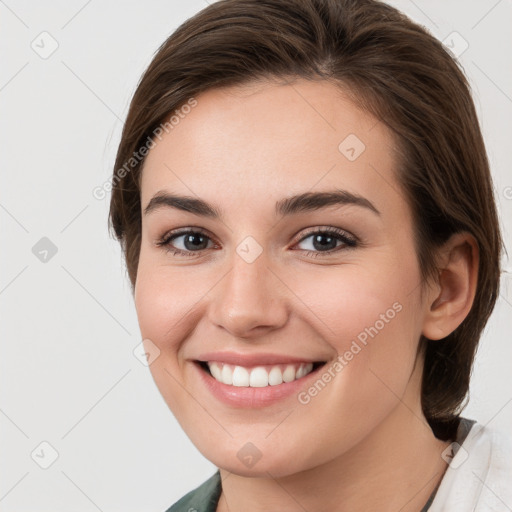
[{"x": 74, "y": 397}]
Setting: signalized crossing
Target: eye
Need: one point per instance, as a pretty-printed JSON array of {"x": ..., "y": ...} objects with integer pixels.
[
  {"x": 325, "y": 241},
  {"x": 322, "y": 241},
  {"x": 191, "y": 241}
]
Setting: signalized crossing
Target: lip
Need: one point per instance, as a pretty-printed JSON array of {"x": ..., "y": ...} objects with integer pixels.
[
  {"x": 254, "y": 398},
  {"x": 250, "y": 360}
]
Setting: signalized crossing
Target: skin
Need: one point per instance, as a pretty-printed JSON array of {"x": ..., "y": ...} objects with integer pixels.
[{"x": 362, "y": 443}]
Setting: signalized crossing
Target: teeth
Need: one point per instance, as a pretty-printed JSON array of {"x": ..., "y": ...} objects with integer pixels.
[
  {"x": 289, "y": 373},
  {"x": 259, "y": 376},
  {"x": 216, "y": 371},
  {"x": 275, "y": 376},
  {"x": 227, "y": 375},
  {"x": 240, "y": 376}
]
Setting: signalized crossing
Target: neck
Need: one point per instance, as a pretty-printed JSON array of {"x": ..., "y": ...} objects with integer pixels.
[{"x": 396, "y": 467}]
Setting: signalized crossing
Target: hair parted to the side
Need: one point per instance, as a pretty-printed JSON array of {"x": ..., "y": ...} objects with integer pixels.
[{"x": 392, "y": 68}]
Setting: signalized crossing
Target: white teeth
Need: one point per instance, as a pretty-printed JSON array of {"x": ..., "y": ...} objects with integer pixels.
[
  {"x": 275, "y": 376},
  {"x": 240, "y": 376},
  {"x": 289, "y": 373},
  {"x": 216, "y": 371},
  {"x": 227, "y": 375},
  {"x": 259, "y": 376}
]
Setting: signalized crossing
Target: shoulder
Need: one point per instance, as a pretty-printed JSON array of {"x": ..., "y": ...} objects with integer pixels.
[
  {"x": 202, "y": 499},
  {"x": 479, "y": 474}
]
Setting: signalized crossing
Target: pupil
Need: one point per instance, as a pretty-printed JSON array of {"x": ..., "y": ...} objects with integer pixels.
[
  {"x": 317, "y": 244},
  {"x": 195, "y": 241}
]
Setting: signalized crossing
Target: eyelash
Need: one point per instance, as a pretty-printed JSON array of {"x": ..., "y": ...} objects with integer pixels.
[{"x": 342, "y": 236}]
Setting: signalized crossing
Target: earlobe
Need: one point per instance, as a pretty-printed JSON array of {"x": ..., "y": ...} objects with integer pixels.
[{"x": 451, "y": 300}]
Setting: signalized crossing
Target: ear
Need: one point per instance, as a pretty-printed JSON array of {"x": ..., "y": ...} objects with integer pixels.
[{"x": 450, "y": 299}]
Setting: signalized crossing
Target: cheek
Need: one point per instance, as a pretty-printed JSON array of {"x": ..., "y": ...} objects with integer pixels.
[
  {"x": 352, "y": 302},
  {"x": 164, "y": 300},
  {"x": 371, "y": 320},
  {"x": 372, "y": 327}
]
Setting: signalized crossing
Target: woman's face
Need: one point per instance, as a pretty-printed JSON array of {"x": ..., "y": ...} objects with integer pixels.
[{"x": 276, "y": 276}]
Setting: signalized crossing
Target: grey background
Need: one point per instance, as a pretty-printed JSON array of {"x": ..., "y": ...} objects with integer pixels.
[{"x": 69, "y": 376}]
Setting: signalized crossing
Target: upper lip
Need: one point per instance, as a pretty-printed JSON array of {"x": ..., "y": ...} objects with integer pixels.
[{"x": 248, "y": 360}]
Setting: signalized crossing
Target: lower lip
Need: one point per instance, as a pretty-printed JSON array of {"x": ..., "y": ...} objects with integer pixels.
[{"x": 252, "y": 398}]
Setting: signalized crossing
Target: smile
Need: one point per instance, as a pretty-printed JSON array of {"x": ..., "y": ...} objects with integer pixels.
[
  {"x": 258, "y": 376},
  {"x": 249, "y": 381}
]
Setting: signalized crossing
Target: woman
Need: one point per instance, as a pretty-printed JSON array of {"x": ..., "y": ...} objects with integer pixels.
[{"x": 305, "y": 205}]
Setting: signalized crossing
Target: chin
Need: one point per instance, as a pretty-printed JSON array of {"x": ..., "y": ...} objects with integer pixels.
[{"x": 250, "y": 462}]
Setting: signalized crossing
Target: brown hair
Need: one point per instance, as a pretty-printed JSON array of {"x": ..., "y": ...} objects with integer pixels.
[{"x": 394, "y": 69}]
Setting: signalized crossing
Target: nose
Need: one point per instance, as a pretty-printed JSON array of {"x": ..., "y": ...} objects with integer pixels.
[{"x": 250, "y": 299}]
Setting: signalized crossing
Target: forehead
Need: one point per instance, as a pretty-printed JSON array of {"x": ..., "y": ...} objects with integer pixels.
[{"x": 268, "y": 139}]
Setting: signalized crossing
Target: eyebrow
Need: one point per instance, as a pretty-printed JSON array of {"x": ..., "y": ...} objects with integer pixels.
[{"x": 306, "y": 202}]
